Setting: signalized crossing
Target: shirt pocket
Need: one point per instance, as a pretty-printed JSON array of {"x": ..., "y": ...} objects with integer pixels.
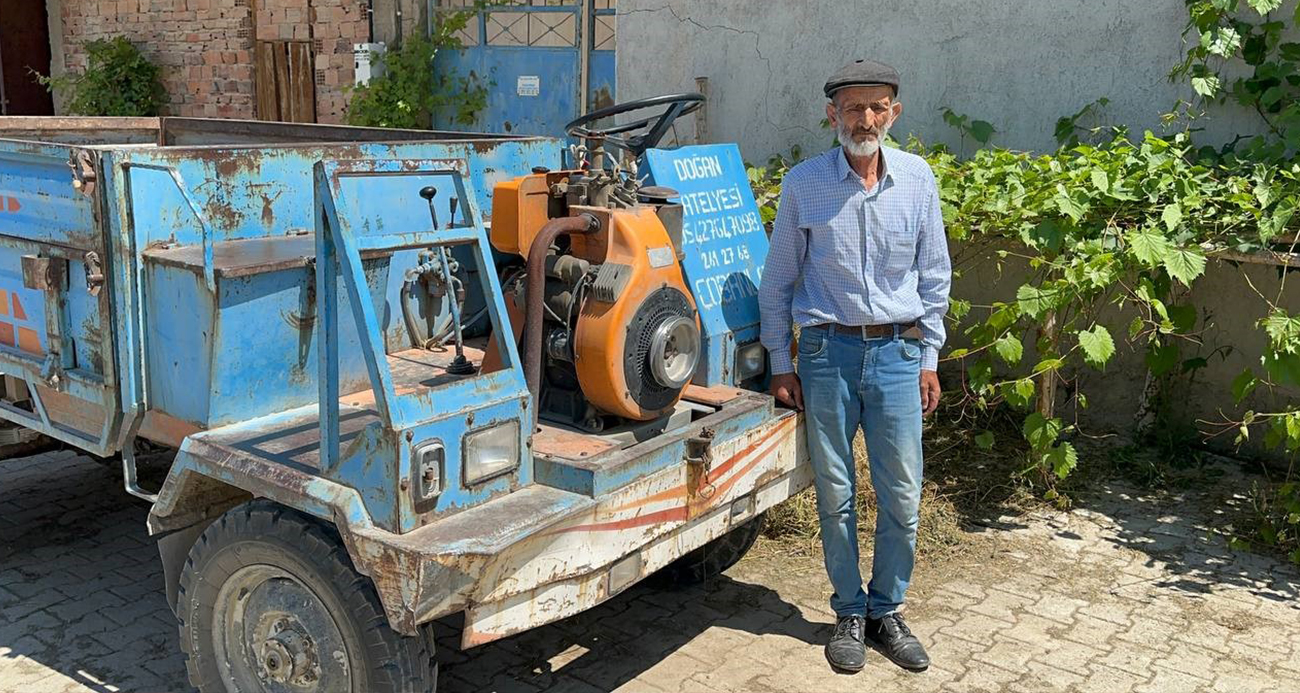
[
  {"x": 835, "y": 250},
  {"x": 896, "y": 242}
]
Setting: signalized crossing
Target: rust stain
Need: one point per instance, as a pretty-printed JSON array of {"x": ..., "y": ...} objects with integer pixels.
[
  {"x": 82, "y": 415},
  {"x": 768, "y": 477},
  {"x": 715, "y": 396},
  {"x": 231, "y": 162},
  {"x": 4, "y": 302},
  {"x": 603, "y": 99},
  {"x": 222, "y": 213},
  {"x": 19, "y": 313},
  {"x": 297, "y": 320},
  {"x": 94, "y": 341},
  {"x": 268, "y": 212},
  {"x": 166, "y": 429},
  {"x": 6, "y": 334},
  {"x": 554, "y": 442}
]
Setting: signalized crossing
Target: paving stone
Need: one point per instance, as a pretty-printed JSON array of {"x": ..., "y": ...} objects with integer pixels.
[
  {"x": 1190, "y": 660},
  {"x": 1090, "y": 630},
  {"x": 638, "y": 686},
  {"x": 1011, "y": 655},
  {"x": 1231, "y": 683},
  {"x": 1104, "y": 679},
  {"x": 1131, "y": 660},
  {"x": 1114, "y": 611},
  {"x": 1057, "y": 607},
  {"x": 979, "y": 679},
  {"x": 976, "y": 628},
  {"x": 1001, "y": 605},
  {"x": 1073, "y": 657},
  {"x": 1165, "y": 680},
  {"x": 1042, "y": 678}
]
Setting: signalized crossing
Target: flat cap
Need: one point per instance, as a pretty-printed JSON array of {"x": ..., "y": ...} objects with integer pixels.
[{"x": 862, "y": 73}]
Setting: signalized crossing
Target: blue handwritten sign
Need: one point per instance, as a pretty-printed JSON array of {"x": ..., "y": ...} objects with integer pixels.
[{"x": 724, "y": 244}]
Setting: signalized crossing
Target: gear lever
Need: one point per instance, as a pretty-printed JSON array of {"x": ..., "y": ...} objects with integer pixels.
[{"x": 460, "y": 365}]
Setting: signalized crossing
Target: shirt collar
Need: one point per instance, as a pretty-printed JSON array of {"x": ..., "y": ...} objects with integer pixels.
[{"x": 844, "y": 170}]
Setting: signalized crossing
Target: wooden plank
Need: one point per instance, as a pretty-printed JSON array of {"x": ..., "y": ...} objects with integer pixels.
[
  {"x": 282, "y": 80},
  {"x": 268, "y": 105},
  {"x": 302, "y": 83}
]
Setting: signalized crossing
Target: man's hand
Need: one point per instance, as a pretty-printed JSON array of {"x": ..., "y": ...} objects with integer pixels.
[
  {"x": 929, "y": 391},
  {"x": 787, "y": 390}
]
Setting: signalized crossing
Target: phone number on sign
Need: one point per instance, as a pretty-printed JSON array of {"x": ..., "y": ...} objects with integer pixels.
[{"x": 698, "y": 231}]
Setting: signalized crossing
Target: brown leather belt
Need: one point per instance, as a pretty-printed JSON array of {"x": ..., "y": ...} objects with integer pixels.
[{"x": 909, "y": 330}]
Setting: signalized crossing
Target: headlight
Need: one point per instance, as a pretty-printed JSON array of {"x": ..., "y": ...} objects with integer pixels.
[
  {"x": 751, "y": 361},
  {"x": 490, "y": 452}
]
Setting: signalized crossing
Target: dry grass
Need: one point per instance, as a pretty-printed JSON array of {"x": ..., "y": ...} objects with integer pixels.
[{"x": 964, "y": 486}]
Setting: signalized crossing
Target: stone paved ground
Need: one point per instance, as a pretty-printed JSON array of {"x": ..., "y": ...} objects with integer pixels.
[{"x": 1125, "y": 595}]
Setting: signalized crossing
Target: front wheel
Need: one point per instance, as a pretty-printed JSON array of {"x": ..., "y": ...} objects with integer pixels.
[
  {"x": 710, "y": 560},
  {"x": 269, "y": 603}
]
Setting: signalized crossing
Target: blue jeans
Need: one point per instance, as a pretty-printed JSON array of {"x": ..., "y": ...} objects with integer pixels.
[{"x": 849, "y": 382}]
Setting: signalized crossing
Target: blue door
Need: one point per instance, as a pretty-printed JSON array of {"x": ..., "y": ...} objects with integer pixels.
[{"x": 530, "y": 55}]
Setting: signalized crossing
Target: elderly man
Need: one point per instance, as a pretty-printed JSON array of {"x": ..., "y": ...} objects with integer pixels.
[{"x": 859, "y": 261}]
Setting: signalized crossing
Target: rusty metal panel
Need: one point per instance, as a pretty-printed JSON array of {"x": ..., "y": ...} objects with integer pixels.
[{"x": 44, "y": 273}]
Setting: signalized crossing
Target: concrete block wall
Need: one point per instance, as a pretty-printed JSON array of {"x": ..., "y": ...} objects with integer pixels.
[
  {"x": 1020, "y": 65},
  {"x": 207, "y": 48}
]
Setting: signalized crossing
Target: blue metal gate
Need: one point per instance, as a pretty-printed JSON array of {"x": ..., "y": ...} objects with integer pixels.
[{"x": 531, "y": 55}]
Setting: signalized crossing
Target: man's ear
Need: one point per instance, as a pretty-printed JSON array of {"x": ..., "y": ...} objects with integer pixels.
[
  {"x": 830, "y": 113},
  {"x": 897, "y": 108}
]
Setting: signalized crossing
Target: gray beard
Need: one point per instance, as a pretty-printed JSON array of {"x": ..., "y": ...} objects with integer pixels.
[{"x": 860, "y": 149}]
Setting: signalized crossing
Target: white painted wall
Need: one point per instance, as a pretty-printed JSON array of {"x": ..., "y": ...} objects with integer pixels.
[{"x": 1016, "y": 63}]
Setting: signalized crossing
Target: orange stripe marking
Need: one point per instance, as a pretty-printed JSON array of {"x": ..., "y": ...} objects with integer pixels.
[
  {"x": 29, "y": 341},
  {"x": 680, "y": 513}
]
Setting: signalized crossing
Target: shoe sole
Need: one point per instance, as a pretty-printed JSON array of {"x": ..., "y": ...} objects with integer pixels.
[{"x": 840, "y": 667}]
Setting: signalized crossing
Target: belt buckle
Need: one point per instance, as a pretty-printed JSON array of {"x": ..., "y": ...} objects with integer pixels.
[{"x": 864, "y": 331}]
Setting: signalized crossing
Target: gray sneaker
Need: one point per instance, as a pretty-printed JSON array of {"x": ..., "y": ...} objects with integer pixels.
[{"x": 847, "y": 650}]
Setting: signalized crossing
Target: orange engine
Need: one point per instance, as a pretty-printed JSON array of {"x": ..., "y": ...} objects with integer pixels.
[{"x": 621, "y": 335}]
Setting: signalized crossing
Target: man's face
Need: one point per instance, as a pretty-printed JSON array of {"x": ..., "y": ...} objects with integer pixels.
[{"x": 861, "y": 117}]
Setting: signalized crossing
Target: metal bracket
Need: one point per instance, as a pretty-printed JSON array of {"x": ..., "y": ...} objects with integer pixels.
[
  {"x": 699, "y": 462},
  {"x": 130, "y": 477},
  {"x": 83, "y": 172},
  {"x": 94, "y": 273},
  {"x": 44, "y": 273}
]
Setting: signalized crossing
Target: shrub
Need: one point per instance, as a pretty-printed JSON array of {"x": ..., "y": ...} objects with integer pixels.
[{"x": 119, "y": 81}]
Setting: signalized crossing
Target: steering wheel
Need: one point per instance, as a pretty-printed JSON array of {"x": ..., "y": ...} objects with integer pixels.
[{"x": 673, "y": 106}]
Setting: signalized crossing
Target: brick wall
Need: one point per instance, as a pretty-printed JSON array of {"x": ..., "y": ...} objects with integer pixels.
[{"x": 206, "y": 48}]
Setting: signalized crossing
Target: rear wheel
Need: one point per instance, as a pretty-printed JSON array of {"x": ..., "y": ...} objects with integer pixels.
[
  {"x": 710, "y": 560},
  {"x": 269, "y": 603}
]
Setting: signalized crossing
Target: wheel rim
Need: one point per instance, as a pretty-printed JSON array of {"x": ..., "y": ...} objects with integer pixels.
[{"x": 272, "y": 634}]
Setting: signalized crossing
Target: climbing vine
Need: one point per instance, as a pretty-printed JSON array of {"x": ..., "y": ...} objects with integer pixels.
[{"x": 411, "y": 92}]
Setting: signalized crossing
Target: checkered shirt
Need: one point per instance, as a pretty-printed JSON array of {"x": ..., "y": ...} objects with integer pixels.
[{"x": 842, "y": 253}]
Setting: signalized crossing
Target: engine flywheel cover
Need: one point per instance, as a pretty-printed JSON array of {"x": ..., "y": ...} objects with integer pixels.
[{"x": 662, "y": 349}]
